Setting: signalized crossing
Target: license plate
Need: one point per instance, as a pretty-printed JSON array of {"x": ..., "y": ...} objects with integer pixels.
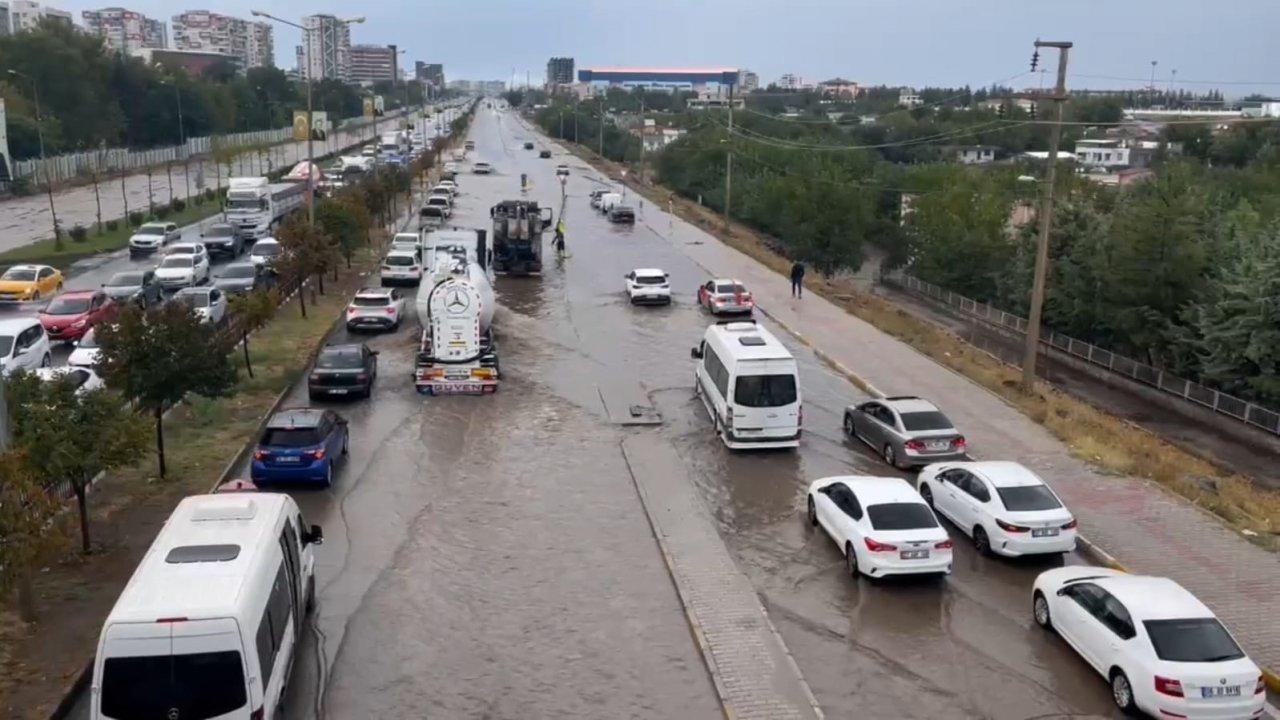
[
  {"x": 1044, "y": 532},
  {"x": 448, "y": 388},
  {"x": 1216, "y": 691},
  {"x": 338, "y": 392},
  {"x": 288, "y": 459},
  {"x": 914, "y": 554},
  {"x": 937, "y": 445}
]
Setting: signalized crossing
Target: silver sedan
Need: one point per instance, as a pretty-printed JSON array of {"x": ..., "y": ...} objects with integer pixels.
[{"x": 906, "y": 431}]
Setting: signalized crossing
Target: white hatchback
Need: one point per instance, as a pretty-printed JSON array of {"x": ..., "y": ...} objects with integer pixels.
[
  {"x": 401, "y": 267},
  {"x": 881, "y": 525},
  {"x": 84, "y": 379},
  {"x": 1162, "y": 651},
  {"x": 265, "y": 252},
  {"x": 648, "y": 285},
  {"x": 86, "y": 350},
  {"x": 1006, "y": 509},
  {"x": 179, "y": 271}
]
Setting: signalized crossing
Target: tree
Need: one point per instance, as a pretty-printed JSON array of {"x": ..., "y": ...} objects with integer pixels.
[
  {"x": 155, "y": 358},
  {"x": 28, "y": 531},
  {"x": 252, "y": 311},
  {"x": 346, "y": 222},
  {"x": 307, "y": 251},
  {"x": 71, "y": 436}
]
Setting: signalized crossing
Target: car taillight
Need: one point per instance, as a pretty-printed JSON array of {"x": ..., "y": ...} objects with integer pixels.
[
  {"x": 315, "y": 454},
  {"x": 1168, "y": 686},
  {"x": 351, "y": 311},
  {"x": 258, "y": 714},
  {"x": 362, "y": 377},
  {"x": 800, "y": 416},
  {"x": 945, "y": 544},
  {"x": 1261, "y": 687},
  {"x": 260, "y": 454},
  {"x": 914, "y": 445},
  {"x": 391, "y": 311},
  {"x": 874, "y": 546},
  {"x": 1010, "y": 527},
  {"x": 1071, "y": 524},
  {"x": 959, "y": 443}
]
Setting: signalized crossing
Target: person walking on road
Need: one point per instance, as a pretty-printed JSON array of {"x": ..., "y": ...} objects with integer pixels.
[{"x": 797, "y": 279}]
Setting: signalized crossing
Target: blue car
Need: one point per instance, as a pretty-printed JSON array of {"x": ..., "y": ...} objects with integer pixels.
[{"x": 300, "y": 445}]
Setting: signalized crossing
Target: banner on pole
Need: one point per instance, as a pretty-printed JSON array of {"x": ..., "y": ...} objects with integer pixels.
[{"x": 301, "y": 128}]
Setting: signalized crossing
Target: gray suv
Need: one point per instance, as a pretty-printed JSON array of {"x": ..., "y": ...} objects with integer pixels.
[
  {"x": 222, "y": 239},
  {"x": 906, "y": 431}
]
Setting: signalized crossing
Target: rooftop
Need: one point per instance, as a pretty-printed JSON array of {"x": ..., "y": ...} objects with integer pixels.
[
  {"x": 296, "y": 417},
  {"x": 878, "y": 489}
]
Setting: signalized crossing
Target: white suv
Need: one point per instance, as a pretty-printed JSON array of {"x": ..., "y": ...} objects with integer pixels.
[
  {"x": 648, "y": 285},
  {"x": 401, "y": 267},
  {"x": 375, "y": 309},
  {"x": 23, "y": 345}
]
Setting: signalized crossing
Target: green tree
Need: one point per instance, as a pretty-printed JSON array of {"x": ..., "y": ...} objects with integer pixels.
[
  {"x": 346, "y": 222},
  {"x": 28, "y": 528},
  {"x": 251, "y": 311}
]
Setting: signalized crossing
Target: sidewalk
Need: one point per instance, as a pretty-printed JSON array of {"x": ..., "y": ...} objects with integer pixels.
[{"x": 1147, "y": 529}]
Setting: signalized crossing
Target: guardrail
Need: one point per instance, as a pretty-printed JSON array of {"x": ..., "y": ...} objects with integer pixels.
[{"x": 1243, "y": 410}]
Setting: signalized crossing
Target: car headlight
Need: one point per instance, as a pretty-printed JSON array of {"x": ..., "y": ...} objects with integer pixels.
[{"x": 79, "y": 323}]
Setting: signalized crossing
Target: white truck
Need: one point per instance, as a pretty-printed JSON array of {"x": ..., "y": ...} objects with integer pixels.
[
  {"x": 254, "y": 205},
  {"x": 394, "y": 143},
  {"x": 457, "y": 353}
]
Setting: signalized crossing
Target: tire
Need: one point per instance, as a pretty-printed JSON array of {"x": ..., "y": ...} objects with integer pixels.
[
  {"x": 328, "y": 474},
  {"x": 927, "y": 495},
  {"x": 36, "y": 296},
  {"x": 890, "y": 457},
  {"x": 813, "y": 513},
  {"x": 1040, "y": 611},
  {"x": 981, "y": 542},
  {"x": 46, "y": 361},
  {"x": 1122, "y": 693},
  {"x": 312, "y": 397},
  {"x": 345, "y": 440},
  {"x": 59, "y": 288},
  {"x": 848, "y": 427},
  {"x": 851, "y": 561}
]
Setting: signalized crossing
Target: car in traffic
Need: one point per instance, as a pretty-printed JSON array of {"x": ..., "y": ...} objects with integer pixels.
[
  {"x": 85, "y": 380},
  {"x": 544, "y": 153},
  {"x": 562, "y": 170},
  {"x": 906, "y": 431},
  {"x": 528, "y": 146},
  {"x": 1004, "y": 507},
  {"x": 265, "y": 252},
  {"x": 1163, "y": 652},
  {"x": 375, "y": 309},
  {"x": 194, "y": 249},
  {"x": 222, "y": 239},
  {"x": 24, "y": 345},
  {"x": 469, "y": 145},
  {"x": 725, "y": 296},
  {"x": 596, "y": 195},
  {"x": 343, "y": 369},
  {"x": 607, "y": 200},
  {"x": 750, "y": 385},
  {"x": 208, "y": 303},
  {"x": 881, "y": 524},
  {"x": 430, "y": 217},
  {"x": 300, "y": 444},
  {"x": 150, "y": 237},
  {"x": 179, "y": 271},
  {"x": 23, "y": 283},
  {"x": 624, "y": 214},
  {"x": 446, "y": 188},
  {"x": 450, "y": 185},
  {"x": 482, "y": 168},
  {"x": 441, "y": 201},
  {"x": 401, "y": 267},
  {"x": 140, "y": 287},
  {"x": 242, "y": 278},
  {"x": 86, "y": 350},
  {"x": 648, "y": 286},
  {"x": 72, "y": 314}
]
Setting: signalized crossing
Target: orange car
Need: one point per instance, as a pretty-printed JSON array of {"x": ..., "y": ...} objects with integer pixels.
[{"x": 29, "y": 282}]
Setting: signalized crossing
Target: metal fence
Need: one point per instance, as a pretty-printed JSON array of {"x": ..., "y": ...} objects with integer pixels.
[{"x": 1189, "y": 390}]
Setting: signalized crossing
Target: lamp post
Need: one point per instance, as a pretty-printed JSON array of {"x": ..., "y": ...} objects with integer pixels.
[
  {"x": 182, "y": 135},
  {"x": 311, "y": 185},
  {"x": 48, "y": 182}
]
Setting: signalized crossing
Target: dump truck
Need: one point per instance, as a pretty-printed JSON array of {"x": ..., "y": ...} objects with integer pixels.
[{"x": 517, "y": 236}]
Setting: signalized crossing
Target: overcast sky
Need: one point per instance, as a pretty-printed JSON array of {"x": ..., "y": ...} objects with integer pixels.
[{"x": 916, "y": 42}]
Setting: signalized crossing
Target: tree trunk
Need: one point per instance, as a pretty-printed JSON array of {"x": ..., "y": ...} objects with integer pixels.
[
  {"x": 124, "y": 196},
  {"x": 82, "y": 504},
  {"x": 168, "y": 171},
  {"x": 160, "y": 437},
  {"x": 97, "y": 199},
  {"x": 247, "y": 366},
  {"x": 302, "y": 298},
  {"x": 26, "y": 596},
  {"x": 320, "y": 281}
]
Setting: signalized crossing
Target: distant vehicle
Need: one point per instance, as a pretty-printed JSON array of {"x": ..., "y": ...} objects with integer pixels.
[
  {"x": 152, "y": 236},
  {"x": 451, "y": 167},
  {"x": 24, "y": 345},
  {"x": 470, "y": 145},
  {"x": 450, "y": 183},
  {"x": 140, "y": 287},
  {"x": 241, "y": 278},
  {"x": 194, "y": 248},
  {"x": 84, "y": 379},
  {"x": 906, "y": 431},
  {"x": 450, "y": 189},
  {"x": 562, "y": 170},
  {"x": 408, "y": 241},
  {"x": 209, "y": 623},
  {"x": 622, "y": 214},
  {"x": 482, "y": 168},
  {"x": 607, "y": 201},
  {"x": 369, "y": 151},
  {"x": 265, "y": 252},
  {"x": 209, "y": 303},
  {"x": 544, "y": 154},
  {"x": 881, "y": 525},
  {"x": 343, "y": 369},
  {"x": 401, "y": 267},
  {"x": 70, "y": 315},
  {"x": 86, "y": 351},
  {"x": 648, "y": 286},
  {"x": 179, "y": 271},
  {"x": 375, "y": 309},
  {"x": 596, "y": 195},
  {"x": 255, "y": 205},
  {"x": 441, "y": 201},
  {"x": 300, "y": 444},
  {"x": 1003, "y": 506},
  {"x": 21, "y": 283},
  {"x": 528, "y": 146},
  {"x": 222, "y": 239},
  {"x": 430, "y": 216},
  {"x": 517, "y": 235},
  {"x": 394, "y": 143},
  {"x": 724, "y": 296},
  {"x": 459, "y": 155},
  {"x": 750, "y": 385},
  {"x": 1163, "y": 652}
]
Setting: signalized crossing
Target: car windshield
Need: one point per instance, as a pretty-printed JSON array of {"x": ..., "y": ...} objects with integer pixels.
[
  {"x": 901, "y": 516},
  {"x": 759, "y": 391},
  {"x": 195, "y": 299},
  {"x": 730, "y": 289},
  {"x": 220, "y": 231},
  {"x": 199, "y": 685},
  {"x": 266, "y": 249},
  {"x": 431, "y": 211},
  {"x": 650, "y": 280},
  {"x": 19, "y": 274},
  {"x": 178, "y": 261},
  {"x": 291, "y": 437},
  {"x": 125, "y": 279},
  {"x": 344, "y": 359},
  {"x": 67, "y": 306},
  {"x": 150, "y": 230},
  {"x": 931, "y": 420},
  {"x": 437, "y": 200},
  {"x": 1024, "y": 498},
  {"x": 239, "y": 271},
  {"x": 1192, "y": 640},
  {"x": 90, "y": 339},
  {"x": 371, "y": 301},
  {"x": 400, "y": 260},
  {"x": 6, "y": 345}
]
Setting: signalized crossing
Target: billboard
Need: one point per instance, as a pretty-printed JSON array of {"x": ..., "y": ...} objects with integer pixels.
[
  {"x": 301, "y": 128},
  {"x": 6, "y": 160},
  {"x": 368, "y": 107},
  {"x": 320, "y": 120}
]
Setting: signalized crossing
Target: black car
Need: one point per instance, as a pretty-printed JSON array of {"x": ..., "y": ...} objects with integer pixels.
[
  {"x": 138, "y": 286},
  {"x": 622, "y": 214},
  {"x": 222, "y": 239},
  {"x": 343, "y": 369},
  {"x": 528, "y": 146},
  {"x": 544, "y": 154}
]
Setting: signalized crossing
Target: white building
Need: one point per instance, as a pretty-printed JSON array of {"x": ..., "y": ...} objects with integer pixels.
[
  {"x": 909, "y": 98},
  {"x": 326, "y": 48},
  {"x": 747, "y": 81},
  {"x": 976, "y": 154},
  {"x": 250, "y": 43},
  {"x": 126, "y": 31},
  {"x": 791, "y": 81},
  {"x": 24, "y": 15},
  {"x": 840, "y": 88},
  {"x": 717, "y": 98},
  {"x": 1267, "y": 108},
  {"x": 1101, "y": 154}
]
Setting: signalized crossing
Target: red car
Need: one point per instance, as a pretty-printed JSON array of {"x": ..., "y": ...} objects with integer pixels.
[
  {"x": 69, "y": 316},
  {"x": 725, "y": 296}
]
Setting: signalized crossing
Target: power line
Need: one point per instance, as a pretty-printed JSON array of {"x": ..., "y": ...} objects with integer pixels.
[
  {"x": 753, "y": 136},
  {"x": 1181, "y": 81}
]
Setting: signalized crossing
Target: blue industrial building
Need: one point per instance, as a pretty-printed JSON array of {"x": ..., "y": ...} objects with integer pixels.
[{"x": 694, "y": 77}]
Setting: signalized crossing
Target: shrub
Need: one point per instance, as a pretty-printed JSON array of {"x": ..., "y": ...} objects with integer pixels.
[
  {"x": 179, "y": 204},
  {"x": 163, "y": 211},
  {"x": 198, "y": 200},
  {"x": 79, "y": 233},
  {"x": 113, "y": 225},
  {"x": 136, "y": 217},
  {"x": 209, "y": 194}
]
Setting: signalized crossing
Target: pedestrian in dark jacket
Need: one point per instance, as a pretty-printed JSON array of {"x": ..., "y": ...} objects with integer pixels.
[{"x": 797, "y": 279}]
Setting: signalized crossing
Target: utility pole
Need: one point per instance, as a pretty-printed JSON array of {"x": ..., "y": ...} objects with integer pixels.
[
  {"x": 1059, "y": 97},
  {"x": 575, "y": 120},
  {"x": 602, "y": 126},
  {"x": 728, "y": 160},
  {"x": 642, "y": 134},
  {"x": 48, "y": 180}
]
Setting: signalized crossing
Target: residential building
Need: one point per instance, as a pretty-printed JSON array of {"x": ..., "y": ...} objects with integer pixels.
[
  {"x": 431, "y": 73},
  {"x": 460, "y": 85},
  {"x": 372, "y": 63},
  {"x": 1101, "y": 154},
  {"x": 25, "y": 15},
  {"x": 909, "y": 98},
  {"x": 748, "y": 81},
  {"x": 559, "y": 71},
  {"x": 299, "y": 61},
  {"x": 791, "y": 81},
  {"x": 976, "y": 154},
  {"x": 126, "y": 31},
  {"x": 655, "y": 138},
  {"x": 250, "y": 43},
  {"x": 718, "y": 98},
  {"x": 326, "y": 48},
  {"x": 5, "y": 28},
  {"x": 1265, "y": 108},
  {"x": 840, "y": 89}
]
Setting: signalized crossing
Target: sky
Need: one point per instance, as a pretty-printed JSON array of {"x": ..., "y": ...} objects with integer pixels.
[{"x": 1232, "y": 43}]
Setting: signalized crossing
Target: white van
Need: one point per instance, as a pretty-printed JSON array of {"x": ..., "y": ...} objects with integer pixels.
[
  {"x": 750, "y": 385},
  {"x": 608, "y": 200},
  {"x": 208, "y": 625}
]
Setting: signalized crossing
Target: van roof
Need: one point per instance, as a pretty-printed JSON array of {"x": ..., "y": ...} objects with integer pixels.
[
  {"x": 747, "y": 340},
  {"x": 161, "y": 588}
]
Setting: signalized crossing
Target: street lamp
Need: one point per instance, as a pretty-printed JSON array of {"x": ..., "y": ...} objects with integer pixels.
[
  {"x": 182, "y": 135},
  {"x": 311, "y": 161},
  {"x": 48, "y": 182}
]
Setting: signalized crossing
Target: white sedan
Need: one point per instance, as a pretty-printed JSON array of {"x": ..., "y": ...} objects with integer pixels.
[
  {"x": 1003, "y": 506},
  {"x": 179, "y": 271},
  {"x": 84, "y": 379},
  {"x": 881, "y": 525},
  {"x": 1160, "y": 648},
  {"x": 208, "y": 303},
  {"x": 265, "y": 252},
  {"x": 648, "y": 285}
]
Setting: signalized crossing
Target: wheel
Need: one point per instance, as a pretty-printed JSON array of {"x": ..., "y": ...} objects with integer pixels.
[
  {"x": 328, "y": 474},
  {"x": 813, "y": 513},
  {"x": 46, "y": 361},
  {"x": 59, "y": 288},
  {"x": 312, "y": 397},
  {"x": 1040, "y": 611},
  {"x": 927, "y": 495},
  {"x": 848, "y": 426},
  {"x": 981, "y": 542},
  {"x": 35, "y": 296},
  {"x": 1122, "y": 692},
  {"x": 851, "y": 560},
  {"x": 345, "y": 440},
  {"x": 889, "y": 455}
]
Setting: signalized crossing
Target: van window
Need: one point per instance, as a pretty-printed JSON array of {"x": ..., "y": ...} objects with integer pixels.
[
  {"x": 716, "y": 370},
  {"x": 191, "y": 687},
  {"x": 275, "y": 618},
  {"x": 764, "y": 390}
]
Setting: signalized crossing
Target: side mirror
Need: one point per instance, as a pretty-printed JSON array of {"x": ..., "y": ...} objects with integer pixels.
[
  {"x": 695, "y": 353},
  {"x": 375, "y": 353},
  {"x": 314, "y": 536},
  {"x": 1061, "y": 591}
]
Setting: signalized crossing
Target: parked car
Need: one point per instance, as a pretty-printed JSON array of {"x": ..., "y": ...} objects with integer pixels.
[
  {"x": 401, "y": 267},
  {"x": 544, "y": 154},
  {"x": 528, "y": 146},
  {"x": 562, "y": 170},
  {"x": 24, "y": 345},
  {"x": 648, "y": 285},
  {"x": 21, "y": 283},
  {"x": 152, "y": 236},
  {"x": 194, "y": 249},
  {"x": 446, "y": 189},
  {"x": 451, "y": 185},
  {"x": 265, "y": 252},
  {"x": 469, "y": 145},
  {"x": 375, "y": 309},
  {"x": 84, "y": 379},
  {"x": 881, "y": 525},
  {"x": 724, "y": 296},
  {"x": 622, "y": 214},
  {"x": 222, "y": 239},
  {"x": 443, "y": 202},
  {"x": 209, "y": 303},
  {"x": 70, "y": 315},
  {"x": 596, "y": 195},
  {"x": 343, "y": 369},
  {"x": 241, "y": 278},
  {"x": 86, "y": 351},
  {"x": 1003, "y": 506},
  {"x": 300, "y": 444},
  {"x": 906, "y": 431},
  {"x": 140, "y": 287},
  {"x": 482, "y": 168},
  {"x": 179, "y": 271},
  {"x": 1163, "y": 652},
  {"x": 430, "y": 217}
]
